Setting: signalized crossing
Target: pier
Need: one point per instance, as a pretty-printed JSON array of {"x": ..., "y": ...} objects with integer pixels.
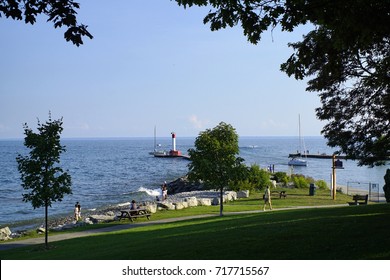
[{"x": 323, "y": 156}]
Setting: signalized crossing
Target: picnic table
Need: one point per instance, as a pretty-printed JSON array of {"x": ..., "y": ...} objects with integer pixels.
[
  {"x": 281, "y": 194},
  {"x": 134, "y": 214}
]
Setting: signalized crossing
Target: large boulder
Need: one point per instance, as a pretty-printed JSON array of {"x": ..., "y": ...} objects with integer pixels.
[
  {"x": 231, "y": 195},
  {"x": 165, "y": 205},
  {"x": 183, "y": 185},
  {"x": 192, "y": 201},
  {"x": 151, "y": 207},
  {"x": 102, "y": 218},
  {"x": 243, "y": 194},
  {"x": 5, "y": 234},
  {"x": 215, "y": 201},
  {"x": 180, "y": 205},
  {"x": 204, "y": 201},
  {"x": 41, "y": 230}
]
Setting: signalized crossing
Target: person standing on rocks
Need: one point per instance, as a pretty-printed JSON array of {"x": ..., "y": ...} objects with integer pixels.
[
  {"x": 76, "y": 211},
  {"x": 267, "y": 198},
  {"x": 164, "y": 191},
  {"x": 79, "y": 211}
]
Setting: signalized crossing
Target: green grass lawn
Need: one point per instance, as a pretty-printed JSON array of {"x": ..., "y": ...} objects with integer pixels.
[{"x": 350, "y": 232}]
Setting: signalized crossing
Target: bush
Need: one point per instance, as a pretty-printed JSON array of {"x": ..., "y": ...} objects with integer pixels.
[
  {"x": 258, "y": 177},
  {"x": 281, "y": 177},
  {"x": 241, "y": 185},
  {"x": 300, "y": 181},
  {"x": 321, "y": 184},
  {"x": 253, "y": 178}
]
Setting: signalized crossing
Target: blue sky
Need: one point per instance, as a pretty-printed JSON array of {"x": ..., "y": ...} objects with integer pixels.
[{"x": 150, "y": 63}]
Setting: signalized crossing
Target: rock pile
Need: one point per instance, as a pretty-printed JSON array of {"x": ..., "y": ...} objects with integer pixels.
[{"x": 182, "y": 184}]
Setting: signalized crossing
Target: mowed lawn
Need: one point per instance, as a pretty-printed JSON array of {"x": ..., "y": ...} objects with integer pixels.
[{"x": 350, "y": 232}]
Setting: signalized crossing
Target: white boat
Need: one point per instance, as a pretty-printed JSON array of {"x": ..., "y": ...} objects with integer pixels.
[
  {"x": 156, "y": 152},
  {"x": 299, "y": 161}
]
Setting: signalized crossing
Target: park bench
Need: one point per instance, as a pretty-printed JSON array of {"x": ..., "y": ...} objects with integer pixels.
[
  {"x": 280, "y": 194},
  {"x": 359, "y": 200},
  {"x": 134, "y": 214}
]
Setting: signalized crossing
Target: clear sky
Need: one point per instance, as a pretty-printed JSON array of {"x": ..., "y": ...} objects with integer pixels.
[{"x": 150, "y": 63}]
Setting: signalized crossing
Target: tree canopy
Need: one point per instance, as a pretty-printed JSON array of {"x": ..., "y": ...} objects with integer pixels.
[
  {"x": 346, "y": 56},
  {"x": 42, "y": 177},
  {"x": 214, "y": 159},
  {"x": 61, "y": 13}
]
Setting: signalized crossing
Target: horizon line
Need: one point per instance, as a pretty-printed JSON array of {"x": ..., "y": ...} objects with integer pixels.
[{"x": 151, "y": 137}]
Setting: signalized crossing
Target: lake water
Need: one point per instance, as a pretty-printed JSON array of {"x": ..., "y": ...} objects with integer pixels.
[{"x": 113, "y": 171}]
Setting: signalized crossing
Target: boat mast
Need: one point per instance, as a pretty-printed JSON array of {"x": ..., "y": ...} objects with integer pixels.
[
  {"x": 299, "y": 133},
  {"x": 302, "y": 145},
  {"x": 155, "y": 144}
]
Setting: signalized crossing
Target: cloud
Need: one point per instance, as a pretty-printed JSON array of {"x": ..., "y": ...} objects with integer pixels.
[{"x": 196, "y": 122}]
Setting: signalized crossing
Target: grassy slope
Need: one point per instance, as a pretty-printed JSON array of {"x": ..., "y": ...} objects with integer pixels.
[{"x": 334, "y": 233}]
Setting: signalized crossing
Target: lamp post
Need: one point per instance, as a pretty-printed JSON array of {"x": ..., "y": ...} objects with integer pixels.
[
  {"x": 336, "y": 164},
  {"x": 333, "y": 177}
]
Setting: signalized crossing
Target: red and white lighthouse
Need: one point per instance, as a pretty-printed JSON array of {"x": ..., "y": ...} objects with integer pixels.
[
  {"x": 173, "y": 141},
  {"x": 174, "y": 152}
]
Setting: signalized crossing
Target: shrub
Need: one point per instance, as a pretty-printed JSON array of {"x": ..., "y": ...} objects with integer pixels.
[
  {"x": 281, "y": 177},
  {"x": 321, "y": 184},
  {"x": 300, "y": 181},
  {"x": 241, "y": 185},
  {"x": 251, "y": 178},
  {"x": 258, "y": 177}
]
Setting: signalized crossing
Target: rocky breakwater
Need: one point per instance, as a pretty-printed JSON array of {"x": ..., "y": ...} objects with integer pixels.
[
  {"x": 183, "y": 194},
  {"x": 182, "y": 184}
]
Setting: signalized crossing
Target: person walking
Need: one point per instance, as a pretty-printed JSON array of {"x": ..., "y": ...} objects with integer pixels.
[
  {"x": 267, "y": 198},
  {"x": 76, "y": 211}
]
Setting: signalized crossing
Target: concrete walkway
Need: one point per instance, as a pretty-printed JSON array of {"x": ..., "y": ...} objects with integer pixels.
[{"x": 64, "y": 236}]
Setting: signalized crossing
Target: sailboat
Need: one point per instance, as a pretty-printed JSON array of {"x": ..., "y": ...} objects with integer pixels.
[
  {"x": 298, "y": 160},
  {"x": 157, "y": 152}
]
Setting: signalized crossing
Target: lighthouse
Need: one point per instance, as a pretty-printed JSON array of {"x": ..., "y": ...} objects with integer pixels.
[
  {"x": 174, "y": 152},
  {"x": 173, "y": 141}
]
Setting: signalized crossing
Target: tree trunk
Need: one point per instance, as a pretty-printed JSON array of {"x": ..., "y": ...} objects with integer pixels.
[
  {"x": 46, "y": 226},
  {"x": 221, "y": 202}
]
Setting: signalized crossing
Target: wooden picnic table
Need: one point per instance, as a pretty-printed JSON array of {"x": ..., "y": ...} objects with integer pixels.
[{"x": 133, "y": 214}]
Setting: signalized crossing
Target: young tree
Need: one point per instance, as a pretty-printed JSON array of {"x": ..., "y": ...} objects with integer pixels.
[
  {"x": 42, "y": 177},
  {"x": 214, "y": 159},
  {"x": 61, "y": 13}
]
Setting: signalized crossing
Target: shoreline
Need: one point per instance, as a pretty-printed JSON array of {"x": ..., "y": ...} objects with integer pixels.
[{"x": 63, "y": 220}]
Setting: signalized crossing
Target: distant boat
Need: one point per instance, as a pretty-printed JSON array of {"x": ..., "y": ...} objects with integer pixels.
[
  {"x": 299, "y": 161},
  {"x": 156, "y": 152},
  {"x": 167, "y": 154}
]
